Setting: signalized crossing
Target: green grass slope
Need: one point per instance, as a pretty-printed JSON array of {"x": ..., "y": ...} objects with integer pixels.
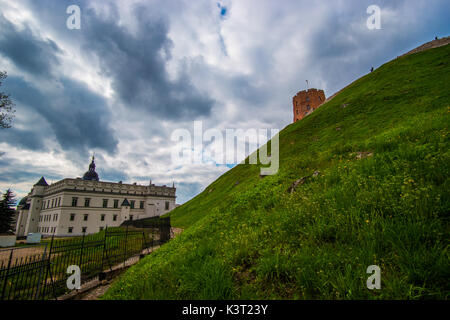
[{"x": 253, "y": 239}]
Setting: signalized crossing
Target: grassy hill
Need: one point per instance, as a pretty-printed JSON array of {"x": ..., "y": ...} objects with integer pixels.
[{"x": 381, "y": 197}]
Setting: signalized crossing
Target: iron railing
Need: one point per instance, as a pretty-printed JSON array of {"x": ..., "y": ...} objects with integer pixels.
[{"x": 40, "y": 272}]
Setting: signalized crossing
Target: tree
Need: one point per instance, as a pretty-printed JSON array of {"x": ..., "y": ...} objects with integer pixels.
[
  {"x": 7, "y": 211},
  {"x": 6, "y": 106}
]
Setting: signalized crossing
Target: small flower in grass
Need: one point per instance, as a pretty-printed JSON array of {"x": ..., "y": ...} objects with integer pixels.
[{"x": 367, "y": 221}]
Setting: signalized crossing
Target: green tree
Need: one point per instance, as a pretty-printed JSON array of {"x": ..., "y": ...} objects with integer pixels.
[
  {"x": 7, "y": 205},
  {"x": 6, "y": 106}
]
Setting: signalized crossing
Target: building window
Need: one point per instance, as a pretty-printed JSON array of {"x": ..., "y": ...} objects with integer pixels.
[
  {"x": 55, "y": 217},
  {"x": 85, "y": 217},
  {"x": 307, "y": 98},
  {"x": 101, "y": 228},
  {"x": 87, "y": 201},
  {"x": 102, "y": 217},
  {"x": 116, "y": 203},
  {"x": 132, "y": 204},
  {"x": 308, "y": 107},
  {"x": 105, "y": 203},
  {"x": 115, "y": 217},
  {"x": 141, "y": 205},
  {"x": 167, "y": 205},
  {"x": 53, "y": 203},
  {"x": 74, "y": 201},
  {"x": 70, "y": 230},
  {"x": 59, "y": 202},
  {"x": 131, "y": 217},
  {"x": 83, "y": 229},
  {"x": 72, "y": 216}
]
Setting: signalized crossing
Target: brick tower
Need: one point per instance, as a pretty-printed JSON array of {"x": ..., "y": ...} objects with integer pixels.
[{"x": 307, "y": 101}]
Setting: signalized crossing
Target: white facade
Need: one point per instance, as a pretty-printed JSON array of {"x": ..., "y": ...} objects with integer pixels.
[{"x": 71, "y": 207}]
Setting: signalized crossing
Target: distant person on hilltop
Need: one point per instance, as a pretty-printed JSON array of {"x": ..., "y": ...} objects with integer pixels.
[
  {"x": 371, "y": 69},
  {"x": 436, "y": 38}
]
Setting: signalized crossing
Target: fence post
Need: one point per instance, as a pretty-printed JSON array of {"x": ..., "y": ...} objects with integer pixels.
[
  {"x": 144, "y": 245},
  {"x": 126, "y": 240},
  {"x": 49, "y": 269},
  {"x": 153, "y": 237},
  {"x": 104, "y": 248},
  {"x": 6, "y": 277},
  {"x": 102, "y": 275},
  {"x": 81, "y": 253},
  {"x": 40, "y": 274}
]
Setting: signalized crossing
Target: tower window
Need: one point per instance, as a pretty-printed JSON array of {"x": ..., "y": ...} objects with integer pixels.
[
  {"x": 87, "y": 202},
  {"x": 116, "y": 203},
  {"x": 74, "y": 201},
  {"x": 105, "y": 203}
]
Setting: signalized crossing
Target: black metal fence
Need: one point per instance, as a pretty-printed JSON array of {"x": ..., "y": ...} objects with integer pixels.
[{"x": 40, "y": 272}]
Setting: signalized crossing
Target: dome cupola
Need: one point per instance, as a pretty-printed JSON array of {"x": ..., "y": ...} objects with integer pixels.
[{"x": 91, "y": 174}]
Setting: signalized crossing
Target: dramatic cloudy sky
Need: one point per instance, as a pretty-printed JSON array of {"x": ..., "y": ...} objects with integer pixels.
[{"x": 138, "y": 70}]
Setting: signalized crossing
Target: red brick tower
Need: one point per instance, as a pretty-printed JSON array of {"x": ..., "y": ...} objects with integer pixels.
[{"x": 307, "y": 101}]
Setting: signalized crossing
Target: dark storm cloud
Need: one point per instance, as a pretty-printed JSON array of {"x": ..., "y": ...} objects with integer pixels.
[
  {"x": 136, "y": 63},
  {"x": 31, "y": 54},
  {"x": 78, "y": 118},
  {"x": 13, "y": 173},
  {"x": 23, "y": 138}
]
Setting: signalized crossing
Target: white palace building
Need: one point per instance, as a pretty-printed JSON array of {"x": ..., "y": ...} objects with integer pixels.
[{"x": 72, "y": 207}]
